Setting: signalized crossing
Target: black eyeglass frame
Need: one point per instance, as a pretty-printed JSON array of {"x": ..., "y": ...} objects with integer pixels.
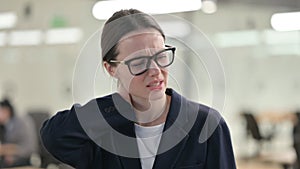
[{"x": 149, "y": 58}]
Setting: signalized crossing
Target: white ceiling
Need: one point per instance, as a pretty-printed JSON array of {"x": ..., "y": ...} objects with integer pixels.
[{"x": 40, "y": 14}]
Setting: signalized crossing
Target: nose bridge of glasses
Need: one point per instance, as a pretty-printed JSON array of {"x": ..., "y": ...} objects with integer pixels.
[{"x": 152, "y": 64}]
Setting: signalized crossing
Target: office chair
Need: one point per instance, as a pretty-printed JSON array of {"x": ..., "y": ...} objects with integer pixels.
[
  {"x": 38, "y": 118},
  {"x": 254, "y": 131}
]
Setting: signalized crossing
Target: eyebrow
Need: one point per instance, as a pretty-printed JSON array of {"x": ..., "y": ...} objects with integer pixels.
[
  {"x": 152, "y": 52},
  {"x": 144, "y": 52}
]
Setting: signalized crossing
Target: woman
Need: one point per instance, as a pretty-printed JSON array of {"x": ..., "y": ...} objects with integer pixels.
[{"x": 145, "y": 124}]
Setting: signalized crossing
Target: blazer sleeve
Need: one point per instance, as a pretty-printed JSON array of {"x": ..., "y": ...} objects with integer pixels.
[
  {"x": 63, "y": 136},
  {"x": 220, "y": 152}
]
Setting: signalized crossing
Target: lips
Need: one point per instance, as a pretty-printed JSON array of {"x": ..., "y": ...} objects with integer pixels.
[{"x": 155, "y": 84}]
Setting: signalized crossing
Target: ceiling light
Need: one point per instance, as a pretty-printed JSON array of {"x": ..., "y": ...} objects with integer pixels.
[
  {"x": 8, "y": 20},
  {"x": 63, "y": 36},
  {"x": 209, "y": 6},
  {"x": 2, "y": 38},
  {"x": 237, "y": 38},
  {"x": 286, "y": 21},
  {"x": 283, "y": 50},
  {"x": 272, "y": 37},
  {"x": 175, "y": 28},
  {"x": 25, "y": 38},
  {"x": 104, "y": 9}
]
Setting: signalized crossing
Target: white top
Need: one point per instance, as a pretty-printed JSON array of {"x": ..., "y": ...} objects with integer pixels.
[{"x": 148, "y": 139}]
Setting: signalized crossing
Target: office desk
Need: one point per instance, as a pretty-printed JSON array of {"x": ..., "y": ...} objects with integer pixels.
[{"x": 276, "y": 117}]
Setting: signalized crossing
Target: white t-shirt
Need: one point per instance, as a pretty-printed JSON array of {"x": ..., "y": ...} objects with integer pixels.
[{"x": 148, "y": 139}]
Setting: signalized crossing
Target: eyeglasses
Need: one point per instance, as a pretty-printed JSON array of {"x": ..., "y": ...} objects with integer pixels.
[{"x": 141, "y": 64}]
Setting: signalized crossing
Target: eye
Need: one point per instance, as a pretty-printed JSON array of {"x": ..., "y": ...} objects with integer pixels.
[
  {"x": 161, "y": 56},
  {"x": 138, "y": 62}
]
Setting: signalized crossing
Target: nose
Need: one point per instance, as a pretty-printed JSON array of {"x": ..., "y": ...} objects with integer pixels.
[{"x": 154, "y": 69}]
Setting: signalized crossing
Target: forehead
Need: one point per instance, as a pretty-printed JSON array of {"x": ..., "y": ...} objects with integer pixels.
[{"x": 140, "y": 40}]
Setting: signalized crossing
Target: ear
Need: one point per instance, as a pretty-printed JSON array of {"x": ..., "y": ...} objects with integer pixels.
[{"x": 110, "y": 69}]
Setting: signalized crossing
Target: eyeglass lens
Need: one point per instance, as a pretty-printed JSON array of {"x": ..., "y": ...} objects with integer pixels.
[{"x": 141, "y": 64}]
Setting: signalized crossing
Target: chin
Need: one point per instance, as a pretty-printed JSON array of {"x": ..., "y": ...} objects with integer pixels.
[{"x": 156, "y": 94}]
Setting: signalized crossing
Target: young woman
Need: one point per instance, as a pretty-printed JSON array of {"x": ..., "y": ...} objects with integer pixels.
[{"x": 145, "y": 124}]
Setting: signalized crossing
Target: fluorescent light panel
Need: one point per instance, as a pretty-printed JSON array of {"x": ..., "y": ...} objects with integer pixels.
[
  {"x": 2, "y": 38},
  {"x": 7, "y": 20},
  {"x": 272, "y": 37},
  {"x": 286, "y": 21},
  {"x": 104, "y": 9},
  {"x": 175, "y": 28},
  {"x": 237, "y": 38},
  {"x": 283, "y": 50},
  {"x": 25, "y": 38},
  {"x": 254, "y": 37},
  {"x": 63, "y": 36}
]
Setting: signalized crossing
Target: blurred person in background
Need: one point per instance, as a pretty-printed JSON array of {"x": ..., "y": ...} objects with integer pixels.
[{"x": 18, "y": 137}]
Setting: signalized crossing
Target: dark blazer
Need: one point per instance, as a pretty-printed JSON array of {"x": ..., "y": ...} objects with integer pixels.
[{"x": 195, "y": 136}]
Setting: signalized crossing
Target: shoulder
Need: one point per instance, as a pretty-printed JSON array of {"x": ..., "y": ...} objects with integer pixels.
[
  {"x": 191, "y": 108},
  {"x": 199, "y": 117},
  {"x": 209, "y": 124},
  {"x": 95, "y": 105},
  {"x": 107, "y": 105},
  {"x": 207, "y": 118},
  {"x": 76, "y": 115},
  {"x": 21, "y": 125},
  {"x": 18, "y": 121}
]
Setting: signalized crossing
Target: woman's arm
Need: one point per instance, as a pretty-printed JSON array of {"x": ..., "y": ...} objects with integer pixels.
[{"x": 64, "y": 138}]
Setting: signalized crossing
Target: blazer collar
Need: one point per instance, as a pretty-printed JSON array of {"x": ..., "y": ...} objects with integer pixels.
[
  {"x": 173, "y": 139},
  {"x": 177, "y": 115}
]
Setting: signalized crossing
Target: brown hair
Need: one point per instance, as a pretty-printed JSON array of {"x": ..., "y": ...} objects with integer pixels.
[{"x": 118, "y": 25}]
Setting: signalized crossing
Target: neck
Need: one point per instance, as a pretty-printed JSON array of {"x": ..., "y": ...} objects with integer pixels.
[
  {"x": 151, "y": 112},
  {"x": 148, "y": 112}
]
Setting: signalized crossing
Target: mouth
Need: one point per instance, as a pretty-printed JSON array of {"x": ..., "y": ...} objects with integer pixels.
[{"x": 155, "y": 85}]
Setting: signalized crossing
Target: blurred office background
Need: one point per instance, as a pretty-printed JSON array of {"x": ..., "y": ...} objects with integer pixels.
[{"x": 41, "y": 43}]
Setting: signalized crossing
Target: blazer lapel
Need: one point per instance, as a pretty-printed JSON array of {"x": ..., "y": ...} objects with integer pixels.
[
  {"x": 175, "y": 133},
  {"x": 127, "y": 148},
  {"x": 124, "y": 138},
  {"x": 169, "y": 158}
]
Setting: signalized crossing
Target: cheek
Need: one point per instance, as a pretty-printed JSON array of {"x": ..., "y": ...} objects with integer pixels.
[
  {"x": 136, "y": 83},
  {"x": 125, "y": 77},
  {"x": 165, "y": 73}
]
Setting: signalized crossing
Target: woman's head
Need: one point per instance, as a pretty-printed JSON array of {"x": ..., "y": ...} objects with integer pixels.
[
  {"x": 134, "y": 52},
  {"x": 6, "y": 111},
  {"x": 120, "y": 24}
]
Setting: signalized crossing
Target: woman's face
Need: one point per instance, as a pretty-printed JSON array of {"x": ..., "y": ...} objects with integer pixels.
[{"x": 151, "y": 84}]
